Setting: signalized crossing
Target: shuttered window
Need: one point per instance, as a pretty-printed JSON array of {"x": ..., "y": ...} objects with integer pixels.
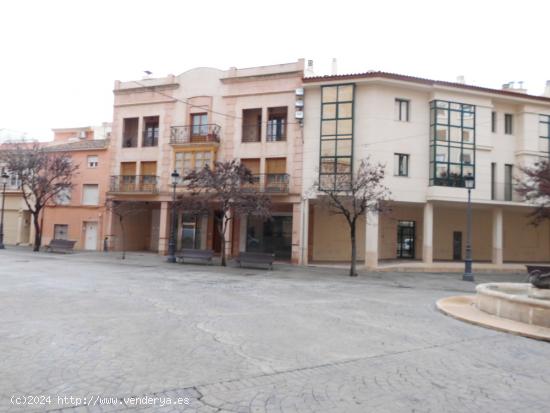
[{"x": 90, "y": 194}]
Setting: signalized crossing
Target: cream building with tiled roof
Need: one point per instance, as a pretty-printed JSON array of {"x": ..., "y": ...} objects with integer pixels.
[{"x": 430, "y": 135}]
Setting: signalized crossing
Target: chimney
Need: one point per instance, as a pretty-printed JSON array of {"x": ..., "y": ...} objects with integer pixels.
[
  {"x": 547, "y": 89},
  {"x": 460, "y": 79},
  {"x": 334, "y": 69},
  {"x": 309, "y": 69}
]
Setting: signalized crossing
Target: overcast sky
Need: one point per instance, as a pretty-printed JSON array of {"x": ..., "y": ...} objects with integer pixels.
[{"x": 59, "y": 59}]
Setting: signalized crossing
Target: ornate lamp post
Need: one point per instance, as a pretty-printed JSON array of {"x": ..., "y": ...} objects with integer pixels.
[
  {"x": 4, "y": 180},
  {"x": 469, "y": 182},
  {"x": 172, "y": 243}
]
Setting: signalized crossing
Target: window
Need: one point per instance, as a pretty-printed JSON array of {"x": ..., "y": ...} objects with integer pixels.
[
  {"x": 508, "y": 124},
  {"x": 493, "y": 122},
  {"x": 276, "y": 124},
  {"x": 60, "y": 231},
  {"x": 402, "y": 110},
  {"x": 130, "y": 132},
  {"x": 493, "y": 180},
  {"x": 252, "y": 125},
  {"x": 400, "y": 164},
  {"x": 189, "y": 161},
  {"x": 63, "y": 197},
  {"x": 93, "y": 161},
  {"x": 508, "y": 170},
  {"x": 150, "y": 131},
  {"x": 452, "y": 142},
  {"x": 544, "y": 134},
  {"x": 336, "y": 136},
  {"x": 90, "y": 194},
  {"x": 199, "y": 124}
]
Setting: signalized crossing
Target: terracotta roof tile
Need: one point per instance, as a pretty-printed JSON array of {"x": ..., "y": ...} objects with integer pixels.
[{"x": 420, "y": 80}]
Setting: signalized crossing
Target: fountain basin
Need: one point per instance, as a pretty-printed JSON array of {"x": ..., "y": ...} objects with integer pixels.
[{"x": 515, "y": 301}]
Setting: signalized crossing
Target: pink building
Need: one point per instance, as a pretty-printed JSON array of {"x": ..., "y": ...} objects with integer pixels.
[
  {"x": 79, "y": 214},
  {"x": 203, "y": 115}
]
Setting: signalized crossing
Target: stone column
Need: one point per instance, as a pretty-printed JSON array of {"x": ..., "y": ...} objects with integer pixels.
[
  {"x": 243, "y": 221},
  {"x": 20, "y": 222},
  {"x": 498, "y": 222},
  {"x": 164, "y": 228},
  {"x": 304, "y": 231},
  {"x": 428, "y": 233},
  {"x": 371, "y": 250},
  {"x": 296, "y": 233}
]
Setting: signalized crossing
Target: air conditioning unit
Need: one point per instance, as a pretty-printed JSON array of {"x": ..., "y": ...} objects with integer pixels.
[
  {"x": 300, "y": 91},
  {"x": 299, "y": 114},
  {"x": 300, "y": 103}
]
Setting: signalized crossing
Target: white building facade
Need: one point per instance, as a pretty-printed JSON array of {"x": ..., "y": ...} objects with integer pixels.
[{"x": 430, "y": 135}]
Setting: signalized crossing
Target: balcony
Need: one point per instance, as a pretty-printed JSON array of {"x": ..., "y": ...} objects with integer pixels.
[
  {"x": 147, "y": 184},
  {"x": 183, "y": 135},
  {"x": 268, "y": 183}
]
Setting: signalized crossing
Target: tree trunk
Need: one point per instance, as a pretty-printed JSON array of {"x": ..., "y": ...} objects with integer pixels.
[
  {"x": 37, "y": 232},
  {"x": 353, "y": 265}
]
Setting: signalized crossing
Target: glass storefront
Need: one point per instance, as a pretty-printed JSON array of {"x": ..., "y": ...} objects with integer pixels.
[
  {"x": 190, "y": 235},
  {"x": 272, "y": 235}
]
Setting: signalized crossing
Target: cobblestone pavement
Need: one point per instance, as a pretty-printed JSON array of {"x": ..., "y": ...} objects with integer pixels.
[{"x": 289, "y": 340}]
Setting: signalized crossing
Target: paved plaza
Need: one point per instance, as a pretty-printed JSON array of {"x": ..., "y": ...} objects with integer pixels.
[{"x": 135, "y": 334}]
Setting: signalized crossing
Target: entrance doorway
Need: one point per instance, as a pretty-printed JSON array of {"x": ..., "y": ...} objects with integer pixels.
[
  {"x": 272, "y": 235},
  {"x": 406, "y": 239},
  {"x": 90, "y": 240},
  {"x": 457, "y": 246}
]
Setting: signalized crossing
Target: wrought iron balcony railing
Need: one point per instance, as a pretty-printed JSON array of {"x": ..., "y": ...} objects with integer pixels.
[
  {"x": 180, "y": 135},
  {"x": 134, "y": 183},
  {"x": 150, "y": 139},
  {"x": 269, "y": 183}
]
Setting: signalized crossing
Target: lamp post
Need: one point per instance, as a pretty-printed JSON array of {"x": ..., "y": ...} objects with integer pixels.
[
  {"x": 172, "y": 243},
  {"x": 469, "y": 182},
  {"x": 4, "y": 180}
]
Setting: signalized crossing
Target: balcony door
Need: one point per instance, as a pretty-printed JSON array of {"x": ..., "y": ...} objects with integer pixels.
[
  {"x": 149, "y": 175},
  {"x": 199, "y": 127},
  {"x": 128, "y": 176},
  {"x": 275, "y": 178}
]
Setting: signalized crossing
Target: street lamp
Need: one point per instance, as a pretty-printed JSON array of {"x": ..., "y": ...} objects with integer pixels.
[
  {"x": 469, "y": 182},
  {"x": 172, "y": 243},
  {"x": 4, "y": 180}
]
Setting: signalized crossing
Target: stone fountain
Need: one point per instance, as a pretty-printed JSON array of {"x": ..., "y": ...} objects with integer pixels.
[{"x": 520, "y": 308}]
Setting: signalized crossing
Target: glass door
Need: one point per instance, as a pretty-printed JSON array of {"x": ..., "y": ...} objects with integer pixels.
[{"x": 406, "y": 239}]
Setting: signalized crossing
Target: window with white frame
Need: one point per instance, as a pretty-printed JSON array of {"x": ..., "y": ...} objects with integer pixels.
[
  {"x": 192, "y": 160},
  {"x": 93, "y": 161},
  {"x": 402, "y": 110},
  {"x": 63, "y": 197},
  {"x": 90, "y": 194}
]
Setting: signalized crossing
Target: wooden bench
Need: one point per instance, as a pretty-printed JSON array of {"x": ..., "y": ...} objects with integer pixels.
[
  {"x": 60, "y": 245},
  {"x": 256, "y": 258},
  {"x": 195, "y": 254},
  {"x": 539, "y": 275}
]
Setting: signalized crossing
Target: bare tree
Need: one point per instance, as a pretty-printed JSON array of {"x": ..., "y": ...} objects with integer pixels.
[
  {"x": 228, "y": 186},
  {"x": 122, "y": 210},
  {"x": 353, "y": 196},
  {"x": 534, "y": 186},
  {"x": 44, "y": 174}
]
